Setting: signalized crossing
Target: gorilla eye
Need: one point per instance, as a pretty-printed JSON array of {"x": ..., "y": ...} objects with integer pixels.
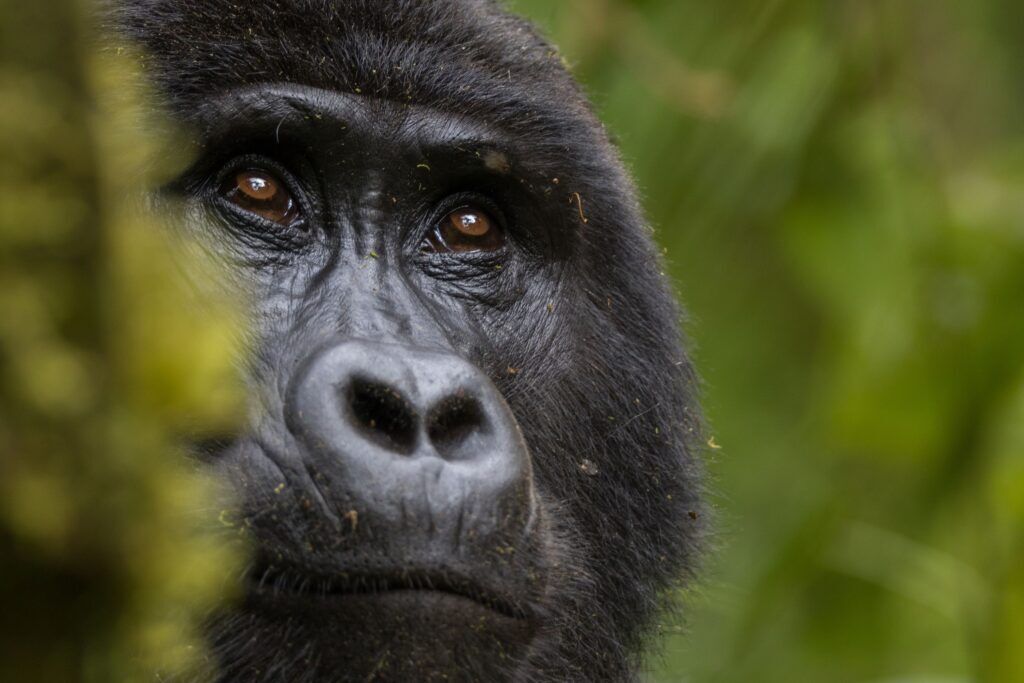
[
  {"x": 260, "y": 192},
  {"x": 469, "y": 228}
]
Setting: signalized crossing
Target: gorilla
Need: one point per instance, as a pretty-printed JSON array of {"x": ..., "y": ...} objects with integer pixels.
[{"x": 474, "y": 445}]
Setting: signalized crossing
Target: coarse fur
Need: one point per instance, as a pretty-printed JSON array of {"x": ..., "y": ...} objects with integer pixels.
[{"x": 581, "y": 333}]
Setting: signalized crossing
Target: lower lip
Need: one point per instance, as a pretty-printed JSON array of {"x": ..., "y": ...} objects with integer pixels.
[
  {"x": 408, "y": 600},
  {"x": 442, "y": 618}
]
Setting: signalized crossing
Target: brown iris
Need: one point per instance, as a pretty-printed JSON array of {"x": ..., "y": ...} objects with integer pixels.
[
  {"x": 466, "y": 229},
  {"x": 262, "y": 193}
]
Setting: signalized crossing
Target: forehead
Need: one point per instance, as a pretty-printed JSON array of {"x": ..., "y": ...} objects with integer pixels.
[
  {"x": 282, "y": 112},
  {"x": 446, "y": 53},
  {"x": 298, "y": 104},
  {"x": 461, "y": 56}
]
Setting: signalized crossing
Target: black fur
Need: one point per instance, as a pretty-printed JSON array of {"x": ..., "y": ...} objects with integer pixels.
[{"x": 583, "y": 336}]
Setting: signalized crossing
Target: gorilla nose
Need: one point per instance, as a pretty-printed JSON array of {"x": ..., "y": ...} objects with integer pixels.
[
  {"x": 400, "y": 431},
  {"x": 456, "y": 427}
]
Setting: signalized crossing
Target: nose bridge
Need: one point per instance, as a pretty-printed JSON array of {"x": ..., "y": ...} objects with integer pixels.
[
  {"x": 379, "y": 303},
  {"x": 375, "y": 297}
]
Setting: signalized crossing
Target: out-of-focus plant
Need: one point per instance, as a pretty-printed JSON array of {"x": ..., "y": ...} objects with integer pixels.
[
  {"x": 107, "y": 359},
  {"x": 840, "y": 189}
]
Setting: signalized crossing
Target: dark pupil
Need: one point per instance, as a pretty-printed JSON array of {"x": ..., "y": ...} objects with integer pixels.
[
  {"x": 470, "y": 223},
  {"x": 260, "y": 188}
]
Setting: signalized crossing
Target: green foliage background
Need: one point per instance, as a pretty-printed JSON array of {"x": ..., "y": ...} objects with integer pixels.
[{"x": 840, "y": 189}]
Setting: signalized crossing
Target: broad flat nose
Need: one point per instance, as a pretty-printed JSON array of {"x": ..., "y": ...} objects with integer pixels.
[{"x": 406, "y": 429}]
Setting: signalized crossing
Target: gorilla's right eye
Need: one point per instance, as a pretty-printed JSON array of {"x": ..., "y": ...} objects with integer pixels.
[{"x": 260, "y": 192}]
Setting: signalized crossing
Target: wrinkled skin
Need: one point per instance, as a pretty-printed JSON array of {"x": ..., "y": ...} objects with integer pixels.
[{"x": 472, "y": 463}]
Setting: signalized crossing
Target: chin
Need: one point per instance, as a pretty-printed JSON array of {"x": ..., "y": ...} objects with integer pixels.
[{"x": 387, "y": 634}]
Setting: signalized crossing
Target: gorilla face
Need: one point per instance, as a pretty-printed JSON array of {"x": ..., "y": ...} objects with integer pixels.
[{"x": 471, "y": 451}]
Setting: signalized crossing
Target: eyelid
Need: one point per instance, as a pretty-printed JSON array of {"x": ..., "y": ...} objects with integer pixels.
[
  {"x": 437, "y": 243},
  {"x": 256, "y": 162},
  {"x": 467, "y": 200},
  {"x": 289, "y": 182}
]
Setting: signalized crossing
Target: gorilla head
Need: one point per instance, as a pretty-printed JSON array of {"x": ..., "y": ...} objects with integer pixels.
[{"x": 472, "y": 452}]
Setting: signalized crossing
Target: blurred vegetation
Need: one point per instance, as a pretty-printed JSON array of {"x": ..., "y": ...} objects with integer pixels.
[
  {"x": 840, "y": 190},
  {"x": 107, "y": 558}
]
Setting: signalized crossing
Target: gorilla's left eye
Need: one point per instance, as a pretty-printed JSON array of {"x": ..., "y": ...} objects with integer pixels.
[
  {"x": 468, "y": 228},
  {"x": 262, "y": 193}
]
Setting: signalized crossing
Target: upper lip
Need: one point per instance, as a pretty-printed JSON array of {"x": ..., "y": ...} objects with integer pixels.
[{"x": 275, "y": 580}]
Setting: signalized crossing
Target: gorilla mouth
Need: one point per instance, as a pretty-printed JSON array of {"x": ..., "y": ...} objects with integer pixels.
[{"x": 273, "y": 582}]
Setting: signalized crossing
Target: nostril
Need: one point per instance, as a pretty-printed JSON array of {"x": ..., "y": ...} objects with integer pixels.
[
  {"x": 457, "y": 427},
  {"x": 383, "y": 415}
]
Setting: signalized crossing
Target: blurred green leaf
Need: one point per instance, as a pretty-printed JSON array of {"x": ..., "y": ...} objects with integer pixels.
[{"x": 109, "y": 559}]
